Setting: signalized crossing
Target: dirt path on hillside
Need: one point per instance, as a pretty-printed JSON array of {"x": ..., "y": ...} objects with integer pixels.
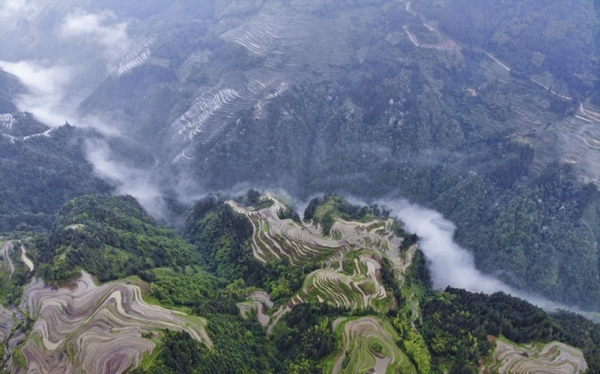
[{"x": 26, "y": 259}]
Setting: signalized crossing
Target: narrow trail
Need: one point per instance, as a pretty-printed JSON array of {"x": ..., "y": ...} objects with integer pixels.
[
  {"x": 497, "y": 61},
  {"x": 26, "y": 259},
  {"x": 531, "y": 79},
  {"x": 448, "y": 45},
  {"x": 276, "y": 317},
  {"x": 414, "y": 40}
]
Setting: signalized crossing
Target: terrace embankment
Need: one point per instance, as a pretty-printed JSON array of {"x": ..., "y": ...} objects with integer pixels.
[
  {"x": 554, "y": 357},
  {"x": 95, "y": 329}
]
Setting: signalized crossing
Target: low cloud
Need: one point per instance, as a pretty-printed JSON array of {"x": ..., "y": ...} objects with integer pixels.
[
  {"x": 128, "y": 180},
  {"x": 14, "y": 9},
  {"x": 50, "y": 96},
  {"x": 100, "y": 28},
  {"x": 46, "y": 89},
  {"x": 450, "y": 264},
  {"x": 38, "y": 78}
]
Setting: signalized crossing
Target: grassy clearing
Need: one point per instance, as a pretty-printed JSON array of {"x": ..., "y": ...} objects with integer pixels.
[
  {"x": 367, "y": 287},
  {"x": 149, "y": 358}
]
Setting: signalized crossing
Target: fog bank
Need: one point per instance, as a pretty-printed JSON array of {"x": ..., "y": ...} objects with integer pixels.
[{"x": 449, "y": 264}]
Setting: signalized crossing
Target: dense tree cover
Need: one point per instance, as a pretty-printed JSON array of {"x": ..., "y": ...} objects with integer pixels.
[
  {"x": 288, "y": 213},
  {"x": 253, "y": 199},
  {"x": 393, "y": 119},
  {"x": 194, "y": 289},
  {"x": 413, "y": 344},
  {"x": 417, "y": 273},
  {"x": 302, "y": 337},
  {"x": 532, "y": 36},
  {"x": 111, "y": 238},
  {"x": 456, "y": 325},
  {"x": 529, "y": 228},
  {"x": 324, "y": 211},
  {"x": 389, "y": 279},
  {"x": 239, "y": 347},
  {"x": 306, "y": 336},
  {"x": 405, "y": 123},
  {"x": 222, "y": 237},
  {"x": 450, "y": 331},
  {"x": 42, "y": 173}
]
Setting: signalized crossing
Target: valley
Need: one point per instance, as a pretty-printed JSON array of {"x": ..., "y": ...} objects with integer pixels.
[{"x": 474, "y": 128}]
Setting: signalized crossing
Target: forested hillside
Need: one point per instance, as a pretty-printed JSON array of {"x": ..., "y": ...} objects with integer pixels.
[
  {"x": 488, "y": 113},
  {"x": 476, "y": 121},
  {"x": 42, "y": 172},
  {"x": 536, "y": 37},
  {"x": 111, "y": 238},
  {"x": 238, "y": 309}
]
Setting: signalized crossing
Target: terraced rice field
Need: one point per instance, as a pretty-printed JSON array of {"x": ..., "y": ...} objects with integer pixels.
[
  {"x": 5, "y": 250},
  {"x": 141, "y": 55},
  {"x": 304, "y": 243},
  {"x": 289, "y": 46},
  {"x": 574, "y": 139},
  {"x": 350, "y": 255},
  {"x": 369, "y": 347},
  {"x": 258, "y": 301},
  {"x": 6, "y": 324},
  {"x": 580, "y": 138},
  {"x": 94, "y": 329},
  {"x": 6, "y": 121},
  {"x": 554, "y": 357},
  {"x": 193, "y": 123},
  {"x": 360, "y": 290}
]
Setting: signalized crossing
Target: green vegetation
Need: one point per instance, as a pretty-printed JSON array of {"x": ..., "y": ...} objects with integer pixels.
[
  {"x": 528, "y": 34},
  {"x": 12, "y": 283},
  {"x": 456, "y": 325},
  {"x": 41, "y": 174},
  {"x": 222, "y": 237},
  {"x": 288, "y": 213},
  {"x": 111, "y": 238},
  {"x": 193, "y": 289},
  {"x": 450, "y": 128},
  {"x": 324, "y": 211},
  {"x": 426, "y": 332},
  {"x": 413, "y": 344}
]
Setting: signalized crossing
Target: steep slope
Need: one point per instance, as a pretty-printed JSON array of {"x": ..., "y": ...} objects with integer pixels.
[
  {"x": 374, "y": 98},
  {"x": 110, "y": 237}
]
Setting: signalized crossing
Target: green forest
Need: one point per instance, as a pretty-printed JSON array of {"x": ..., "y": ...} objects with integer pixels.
[{"x": 210, "y": 269}]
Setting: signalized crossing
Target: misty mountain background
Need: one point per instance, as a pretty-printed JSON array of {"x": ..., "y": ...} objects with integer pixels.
[{"x": 486, "y": 114}]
